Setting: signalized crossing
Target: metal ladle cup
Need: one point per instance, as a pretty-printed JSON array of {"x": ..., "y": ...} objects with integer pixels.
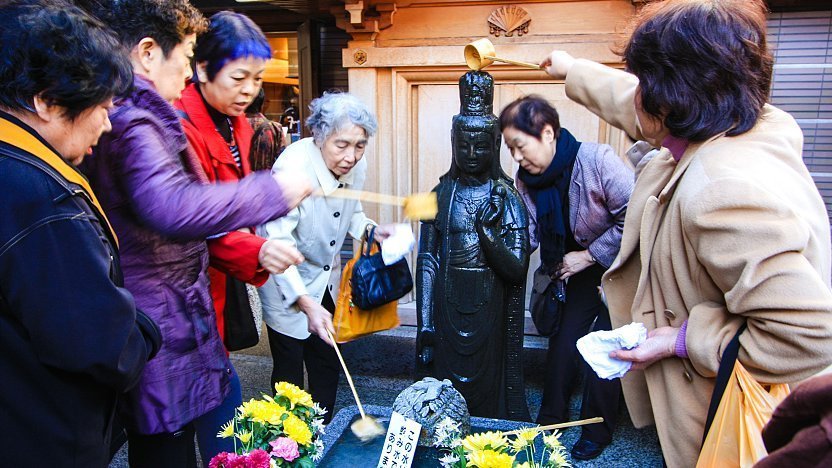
[{"x": 481, "y": 53}]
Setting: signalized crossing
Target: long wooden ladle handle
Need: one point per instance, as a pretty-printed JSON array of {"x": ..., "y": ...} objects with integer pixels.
[
  {"x": 514, "y": 62},
  {"x": 361, "y": 195},
  {"x": 347, "y": 373},
  {"x": 558, "y": 425}
]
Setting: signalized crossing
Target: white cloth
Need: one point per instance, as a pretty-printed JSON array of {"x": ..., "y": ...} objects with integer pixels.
[
  {"x": 317, "y": 227},
  {"x": 595, "y": 348},
  {"x": 400, "y": 242}
]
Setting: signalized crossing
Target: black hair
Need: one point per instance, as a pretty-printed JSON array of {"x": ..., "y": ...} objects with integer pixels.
[
  {"x": 530, "y": 114},
  {"x": 703, "y": 66},
  {"x": 165, "y": 21},
  {"x": 256, "y": 105},
  {"x": 56, "y": 51}
]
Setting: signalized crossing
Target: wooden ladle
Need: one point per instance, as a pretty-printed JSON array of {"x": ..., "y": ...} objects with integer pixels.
[{"x": 481, "y": 53}]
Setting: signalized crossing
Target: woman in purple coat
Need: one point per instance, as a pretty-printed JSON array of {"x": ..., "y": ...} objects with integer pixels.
[
  {"x": 577, "y": 195},
  {"x": 143, "y": 172}
]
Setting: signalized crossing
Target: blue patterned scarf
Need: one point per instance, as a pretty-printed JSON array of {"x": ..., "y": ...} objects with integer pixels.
[{"x": 550, "y": 191}]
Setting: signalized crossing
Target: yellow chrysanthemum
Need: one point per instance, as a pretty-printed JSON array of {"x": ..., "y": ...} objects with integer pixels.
[
  {"x": 297, "y": 430},
  {"x": 227, "y": 430},
  {"x": 524, "y": 438},
  {"x": 483, "y": 441},
  {"x": 244, "y": 437},
  {"x": 490, "y": 459},
  {"x": 263, "y": 411},
  {"x": 295, "y": 394},
  {"x": 245, "y": 410},
  {"x": 525, "y": 464}
]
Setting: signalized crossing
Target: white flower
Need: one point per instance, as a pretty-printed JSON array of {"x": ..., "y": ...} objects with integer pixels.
[
  {"x": 553, "y": 440},
  {"x": 447, "y": 425},
  {"x": 448, "y": 460},
  {"x": 318, "y": 410},
  {"x": 558, "y": 458},
  {"x": 318, "y": 425},
  {"x": 446, "y": 431},
  {"x": 318, "y": 450}
]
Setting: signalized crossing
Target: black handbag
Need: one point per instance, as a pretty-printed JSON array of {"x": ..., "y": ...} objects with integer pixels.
[
  {"x": 547, "y": 301},
  {"x": 240, "y": 329},
  {"x": 374, "y": 283}
]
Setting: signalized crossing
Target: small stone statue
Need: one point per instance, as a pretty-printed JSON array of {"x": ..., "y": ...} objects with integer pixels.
[
  {"x": 428, "y": 402},
  {"x": 472, "y": 265}
]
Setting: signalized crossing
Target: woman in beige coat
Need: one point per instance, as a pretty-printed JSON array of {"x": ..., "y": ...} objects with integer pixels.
[{"x": 725, "y": 226}]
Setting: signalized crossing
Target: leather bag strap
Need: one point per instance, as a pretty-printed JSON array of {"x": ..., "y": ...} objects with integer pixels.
[{"x": 723, "y": 376}]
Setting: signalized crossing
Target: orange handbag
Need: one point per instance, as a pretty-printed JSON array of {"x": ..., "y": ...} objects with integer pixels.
[{"x": 349, "y": 321}]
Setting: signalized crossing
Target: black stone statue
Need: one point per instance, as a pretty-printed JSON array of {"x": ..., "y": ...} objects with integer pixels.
[{"x": 472, "y": 265}]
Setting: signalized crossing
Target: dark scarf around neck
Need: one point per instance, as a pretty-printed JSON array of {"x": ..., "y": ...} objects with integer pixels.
[{"x": 550, "y": 191}]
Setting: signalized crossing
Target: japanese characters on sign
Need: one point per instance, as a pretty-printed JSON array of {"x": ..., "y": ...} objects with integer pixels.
[{"x": 399, "y": 443}]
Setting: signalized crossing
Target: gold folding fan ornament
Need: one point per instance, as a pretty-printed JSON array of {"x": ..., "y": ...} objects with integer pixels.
[{"x": 508, "y": 19}]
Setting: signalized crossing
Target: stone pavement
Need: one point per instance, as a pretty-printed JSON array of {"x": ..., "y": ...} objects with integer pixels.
[{"x": 382, "y": 366}]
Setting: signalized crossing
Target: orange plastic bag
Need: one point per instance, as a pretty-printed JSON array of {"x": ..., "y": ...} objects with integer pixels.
[
  {"x": 735, "y": 438},
  {"x": 349, "y": 321}
]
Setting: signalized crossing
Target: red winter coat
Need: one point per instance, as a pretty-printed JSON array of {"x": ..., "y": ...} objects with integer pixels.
[{"x": 236, "y": 253}]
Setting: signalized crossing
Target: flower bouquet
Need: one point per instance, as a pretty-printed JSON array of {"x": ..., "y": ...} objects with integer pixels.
[
  {"x": 280, "y": 431},
  {"x": 498, "y": 450}
]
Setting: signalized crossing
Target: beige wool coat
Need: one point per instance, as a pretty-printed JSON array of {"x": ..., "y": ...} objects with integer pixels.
[{"x": 735, "y": 232}]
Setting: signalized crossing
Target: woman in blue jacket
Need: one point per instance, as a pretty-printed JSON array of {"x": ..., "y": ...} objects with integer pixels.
[{"x": 71, "y": 339}]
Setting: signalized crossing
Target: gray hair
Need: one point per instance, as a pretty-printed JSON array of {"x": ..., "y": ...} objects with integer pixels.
[{"x": 333, "y": 111}]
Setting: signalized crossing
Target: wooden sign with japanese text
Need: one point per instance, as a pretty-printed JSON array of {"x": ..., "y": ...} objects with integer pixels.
[{"x": 400, "y": 442}]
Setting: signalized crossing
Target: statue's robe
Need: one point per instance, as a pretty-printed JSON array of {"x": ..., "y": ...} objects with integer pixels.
[{"x": 473, "y": 296}]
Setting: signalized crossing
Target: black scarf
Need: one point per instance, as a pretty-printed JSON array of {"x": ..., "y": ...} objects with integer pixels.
[{"x": 550, "y": 192}]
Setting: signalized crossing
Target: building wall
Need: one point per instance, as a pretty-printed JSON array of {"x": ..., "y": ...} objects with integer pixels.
[{"x": 408, "y": 73}]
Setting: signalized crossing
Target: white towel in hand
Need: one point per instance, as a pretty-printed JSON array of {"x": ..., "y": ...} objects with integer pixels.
[
  {"x": 596, "y": 347},
  {"x": 395, "y": 247}
]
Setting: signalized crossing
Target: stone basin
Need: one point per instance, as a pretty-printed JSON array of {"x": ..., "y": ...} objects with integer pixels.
[{"x": 343, "y": 449}]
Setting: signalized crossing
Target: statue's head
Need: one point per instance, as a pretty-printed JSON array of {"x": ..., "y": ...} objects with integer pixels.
[
  {"x": 475, "y": 142},
  {"x": 476, "y": 93},
  {"x": 475, "y": 132}
]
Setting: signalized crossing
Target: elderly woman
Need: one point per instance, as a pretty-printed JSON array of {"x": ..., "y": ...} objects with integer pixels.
[
  {"x": 71, "y": 337},
  {"x": 577, "y": 195},
  {"x": 146, "y": 177},
  {"x": 298, "y": 304},
  {"x": 725, "y": 226}
]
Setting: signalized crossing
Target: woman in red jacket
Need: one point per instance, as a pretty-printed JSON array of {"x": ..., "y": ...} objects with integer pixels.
[{"x": 229, "y": 61}]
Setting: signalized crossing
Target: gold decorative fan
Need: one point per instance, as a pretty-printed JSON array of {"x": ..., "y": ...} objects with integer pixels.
[{"x": 509, "y": 19}]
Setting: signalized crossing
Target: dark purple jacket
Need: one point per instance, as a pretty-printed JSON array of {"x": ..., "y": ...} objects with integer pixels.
[{"x": 162, "y": 217}]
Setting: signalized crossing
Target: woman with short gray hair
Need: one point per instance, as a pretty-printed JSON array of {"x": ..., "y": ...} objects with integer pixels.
[
  {"x": 333, "y": 111},
  {"x": 298, "y": 304}
]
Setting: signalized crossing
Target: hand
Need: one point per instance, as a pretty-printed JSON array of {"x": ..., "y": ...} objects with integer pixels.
[
  {"x": 383, "y": 231},
  {"x": 558, "y": 64},
  {"x": 424, "y": 345},
  {"x": 492, "y": 211},
  {"x": 295, "y": 186},
  {"x": 276, "y": 256},
  {"x": 573, "y": 263},
  {"x": 320, "y": 320},
  {"x": 660, "y": 344}
]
